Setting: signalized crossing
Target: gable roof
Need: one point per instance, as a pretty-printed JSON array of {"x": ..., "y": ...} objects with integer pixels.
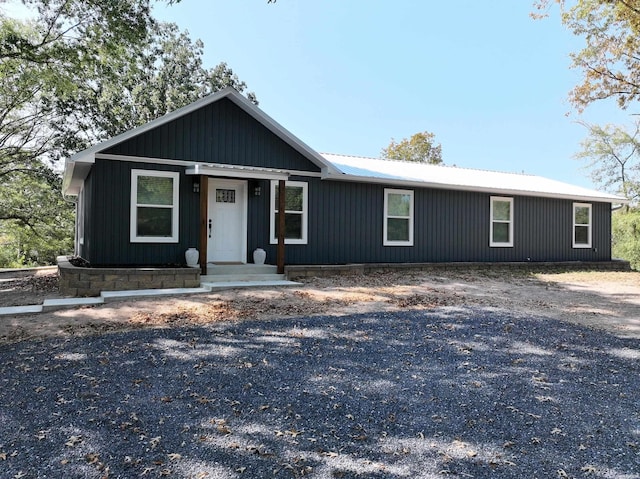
[
  {"x": 404, "y": 173},
  {"x": 77, "y": 166}
]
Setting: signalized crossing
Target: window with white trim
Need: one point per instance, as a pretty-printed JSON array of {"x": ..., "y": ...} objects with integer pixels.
[
  {"x": 582, "y": 225},
  {"x": 154, "y": 206},
  {"x": 295, "y": 213},
  {"x": 501, "y": 223},
  {"x": 398, "y": 218}
]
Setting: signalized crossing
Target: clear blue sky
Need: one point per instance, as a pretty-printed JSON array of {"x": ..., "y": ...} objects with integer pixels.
[{"x": 346, "y": 76}]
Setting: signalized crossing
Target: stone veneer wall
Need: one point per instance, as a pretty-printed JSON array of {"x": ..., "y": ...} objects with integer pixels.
[
  {"x": 76, "y": 281},
  {"x": 306, "y": 271}
]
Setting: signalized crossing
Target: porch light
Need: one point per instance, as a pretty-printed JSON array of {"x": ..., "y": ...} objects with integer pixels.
[
  {"x": 257, "y": 190},
  {"x": 196, "y": 186}
]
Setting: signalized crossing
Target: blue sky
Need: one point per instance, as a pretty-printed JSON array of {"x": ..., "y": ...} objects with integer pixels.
[{"x": 346, "y": 76}]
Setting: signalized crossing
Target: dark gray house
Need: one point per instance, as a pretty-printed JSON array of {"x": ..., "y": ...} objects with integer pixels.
[{"x": 208, "y": 175}]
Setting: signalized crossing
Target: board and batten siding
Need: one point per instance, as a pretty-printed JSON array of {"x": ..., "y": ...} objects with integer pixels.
[
  {"x": 220, "y": 132},
  {"x": 109, "y": 222},
  {"x": 346, "y": 226}
]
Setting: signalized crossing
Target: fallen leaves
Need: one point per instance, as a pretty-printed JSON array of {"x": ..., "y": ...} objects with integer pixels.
[{"x": 73, "y": 441}]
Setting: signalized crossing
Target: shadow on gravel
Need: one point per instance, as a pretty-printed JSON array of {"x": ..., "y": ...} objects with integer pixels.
[{"x": 452, "y": 393}]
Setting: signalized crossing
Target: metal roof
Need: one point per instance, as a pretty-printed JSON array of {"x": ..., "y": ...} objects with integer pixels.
[{"x": 404, "y": 173}]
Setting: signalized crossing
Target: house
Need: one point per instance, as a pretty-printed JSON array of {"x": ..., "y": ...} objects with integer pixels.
[{"x": 208, "y": 176}]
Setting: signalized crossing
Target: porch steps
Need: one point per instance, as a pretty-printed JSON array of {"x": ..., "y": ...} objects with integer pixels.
[
  {"x": 240, "y": 269},
  {"x": 227, "y": 276}
]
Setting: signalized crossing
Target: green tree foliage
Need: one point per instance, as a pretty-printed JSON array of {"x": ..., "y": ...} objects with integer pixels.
[
  {"x": 75, "y": 74},
  {"x": 420, "y": 148},
  {"x": 625, "y": 233},
  {"x": 610, "y": 58},
  {"x": 612, "y": 155}
]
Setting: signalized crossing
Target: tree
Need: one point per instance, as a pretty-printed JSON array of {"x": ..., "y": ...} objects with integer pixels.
[
  {"x": 610, "y": 59},
  {"x": 420, "y": 148},
  {"x": 76, "y": 74},
  {"x": 155, "y": 77},
  {"x": 612, "y": 154}
]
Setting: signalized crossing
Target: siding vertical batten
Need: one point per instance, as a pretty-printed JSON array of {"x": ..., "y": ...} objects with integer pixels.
[
  {"x": 204, "y": 214},
  {"x": 281, "y": 225}
]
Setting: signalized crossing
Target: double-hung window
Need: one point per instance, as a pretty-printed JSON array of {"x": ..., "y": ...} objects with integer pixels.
[
  {"x": 501, "y": 224},
  {"x": 154, "y": 206},
  {"x": 581, "y": 225},
  {"x": 398, "y": 218},
  {"x": 295, "y": 212}
]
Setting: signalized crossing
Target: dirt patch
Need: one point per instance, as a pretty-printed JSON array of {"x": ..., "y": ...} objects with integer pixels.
[{"x": 596, "y": 299}]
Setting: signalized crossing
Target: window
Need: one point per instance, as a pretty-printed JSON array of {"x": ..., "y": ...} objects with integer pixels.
[
  {"x": 154, "y": 206},
  {"x": 295, "y": 213},
  {"x": 581, "y": 225},
  {"x": 398, "y": 218},
  {"x": 501, "y": 226}
]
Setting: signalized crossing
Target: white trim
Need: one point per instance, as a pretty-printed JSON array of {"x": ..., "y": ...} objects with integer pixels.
[
  {"x": 244, "y": 192},
  {"x": 496, "y": 244},
  {"x": 175, "y": 217},
  {"x": 589, "y": 226},
  {"x": 304, "y": 213},
  {"x": 80, "y": 209},
  {"x": 385, "y": 241},
  {"x": 190, "y": 165}
]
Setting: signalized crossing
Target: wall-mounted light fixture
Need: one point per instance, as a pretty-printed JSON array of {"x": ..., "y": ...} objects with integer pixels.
[
  {"x": 257, "y": 190},
  {"x": 196, "y": 186}
]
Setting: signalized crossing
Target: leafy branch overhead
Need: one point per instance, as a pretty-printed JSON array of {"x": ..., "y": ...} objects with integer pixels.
[
  {"x": 612, "y": 154},
  {"x": 610, "y": 58},
  {"x": 420, "y": 148},
  {"x": 71, "y": 75}
]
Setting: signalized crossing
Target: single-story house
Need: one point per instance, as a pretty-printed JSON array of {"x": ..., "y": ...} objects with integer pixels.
[{"x": 208, "y": 175}]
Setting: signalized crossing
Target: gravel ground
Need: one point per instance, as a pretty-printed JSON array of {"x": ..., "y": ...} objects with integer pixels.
[{"x": 452, "y": 392}]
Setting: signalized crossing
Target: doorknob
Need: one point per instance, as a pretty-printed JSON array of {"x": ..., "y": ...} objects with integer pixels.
[{"x": 210, "y": 228}]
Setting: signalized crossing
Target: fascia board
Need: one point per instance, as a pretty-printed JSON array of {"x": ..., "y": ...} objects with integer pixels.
[{"x": 479, "y": 189}]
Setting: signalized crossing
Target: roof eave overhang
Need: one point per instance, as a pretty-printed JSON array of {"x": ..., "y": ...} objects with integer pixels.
[
  {"x": 478, "y": 189},
  {"x": 75, "y": 172}
]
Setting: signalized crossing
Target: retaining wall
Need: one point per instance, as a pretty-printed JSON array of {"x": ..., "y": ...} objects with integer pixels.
[{"x": 80, "y": 281}]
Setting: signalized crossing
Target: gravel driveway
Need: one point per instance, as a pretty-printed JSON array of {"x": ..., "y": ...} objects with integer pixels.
[{"x": 447, "y": 393}]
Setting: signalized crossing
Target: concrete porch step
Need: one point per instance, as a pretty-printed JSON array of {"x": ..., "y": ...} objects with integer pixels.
[
  {"x": 241, "y": 277},
  {"x": 222, "y": 285},
  {"x": 240, "y": 269}
]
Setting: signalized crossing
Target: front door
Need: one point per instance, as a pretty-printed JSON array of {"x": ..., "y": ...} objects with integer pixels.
[{"x": 227, "y": 222}]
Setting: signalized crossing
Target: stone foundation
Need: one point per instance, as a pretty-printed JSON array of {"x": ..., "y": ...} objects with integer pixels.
[
  {"x": 294, "y": 272},
  {"x": 76, "y": 281}
]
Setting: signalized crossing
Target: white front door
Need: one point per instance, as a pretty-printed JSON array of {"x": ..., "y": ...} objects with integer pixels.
[{"x": 227, "y": 222}]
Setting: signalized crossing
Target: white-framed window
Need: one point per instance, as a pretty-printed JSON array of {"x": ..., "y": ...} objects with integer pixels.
[
  {"x": 501, "y": 222},
  {"x": 154, "y": 206},
  {"x": 398, "y": 218},
  {"x": 295, "y": 214},
  {"x": 582, "y": 225}
]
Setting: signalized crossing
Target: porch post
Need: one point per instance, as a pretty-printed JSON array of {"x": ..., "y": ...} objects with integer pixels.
[
  {"x": 281, "y": 208},
  {"x": 204, "y": 214}
]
